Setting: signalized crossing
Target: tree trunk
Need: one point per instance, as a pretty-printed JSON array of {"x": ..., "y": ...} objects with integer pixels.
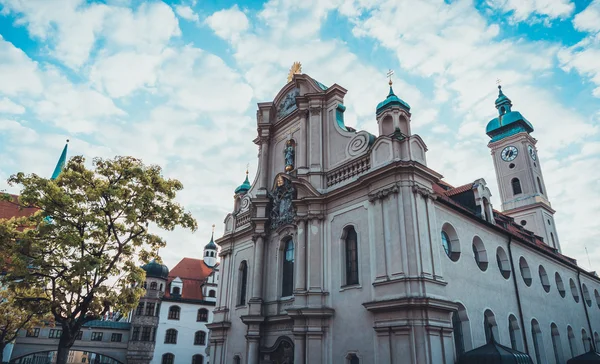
[
  {"x": 2, "y": 346},
  {"x": 67, "y": 339}
]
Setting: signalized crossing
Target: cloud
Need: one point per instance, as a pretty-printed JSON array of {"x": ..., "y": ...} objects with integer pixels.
[
  {"x": 9, "y": 107},
  {"x": 589, "y": 19},
  {"x": 19, "y": 74},
  {"x": 228, "y": 23},
  {"x": 522, "y": 10},
  {"x": 186, "y": 13}
]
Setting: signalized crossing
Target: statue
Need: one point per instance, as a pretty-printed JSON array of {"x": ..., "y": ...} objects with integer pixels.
[
  {"x": 282, "y": 209},
  {"x": 289, "y": 153}
]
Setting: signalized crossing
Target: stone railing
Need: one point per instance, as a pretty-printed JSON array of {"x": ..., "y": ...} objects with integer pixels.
[
  {"x": 349, "y": 170},
  {"x": 242, "y": 219}
]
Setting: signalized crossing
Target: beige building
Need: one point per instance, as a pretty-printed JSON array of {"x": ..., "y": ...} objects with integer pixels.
[{"x": 347, "y": 248}]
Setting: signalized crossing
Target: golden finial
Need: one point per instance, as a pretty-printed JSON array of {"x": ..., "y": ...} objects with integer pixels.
[
  {"x": 295, "y": 69},
  {"x": 247, "y": 168},
  {"x": 389, "y": 75}
]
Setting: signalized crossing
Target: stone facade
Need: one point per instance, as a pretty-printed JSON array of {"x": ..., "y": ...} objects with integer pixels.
[{"x": 347, "y": 248}]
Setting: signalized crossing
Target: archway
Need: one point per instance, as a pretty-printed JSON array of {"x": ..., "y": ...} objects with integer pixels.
[
  {"x": 75, "y": 356},
  {"x": 282, "y": 352}
]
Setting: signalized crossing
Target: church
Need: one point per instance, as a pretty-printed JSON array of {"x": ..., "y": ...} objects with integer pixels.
[{"x": 347, "y": 248}]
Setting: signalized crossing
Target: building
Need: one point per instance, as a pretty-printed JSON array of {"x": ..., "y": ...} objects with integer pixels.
[{"x": 348, "y": 248}]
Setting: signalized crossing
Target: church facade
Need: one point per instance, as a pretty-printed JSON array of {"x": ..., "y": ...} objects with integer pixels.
[{"x": 347, "y": 248}]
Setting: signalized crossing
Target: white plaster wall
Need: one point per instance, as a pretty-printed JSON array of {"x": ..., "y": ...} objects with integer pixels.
[
  {"x": 479, "y": 291},
  {"x": 186, "y": 328}
]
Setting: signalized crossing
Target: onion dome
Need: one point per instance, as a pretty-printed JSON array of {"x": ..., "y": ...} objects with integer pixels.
[
  {"x": 211, "y": 244},
  {"x": 156, "y": 270},
  {"x": 244, "y": 187},
  {"x": 391, "y": 100},
  {"x": 508, "y": 122}
]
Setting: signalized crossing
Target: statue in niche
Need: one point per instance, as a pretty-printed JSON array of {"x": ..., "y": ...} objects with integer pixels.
[
  {"x": 289, "y": 153},
  {"x": 288, "y": 104},
  {"x": 282, "y": 210}
]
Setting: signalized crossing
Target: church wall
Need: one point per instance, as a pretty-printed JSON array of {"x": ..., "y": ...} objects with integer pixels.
[{"x": 496, "y": 293}]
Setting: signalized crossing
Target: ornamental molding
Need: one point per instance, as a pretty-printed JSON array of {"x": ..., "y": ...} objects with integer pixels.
[
  {"x": 257, "y": 236},
  {"x": 315, "y": 110},
  {"x": 424, "y": 192},
  {"x": 310, "y": 217},
  {"x": 383, "y": 193}
]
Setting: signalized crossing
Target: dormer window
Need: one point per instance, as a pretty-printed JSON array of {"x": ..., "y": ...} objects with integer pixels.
[
  {"x": 176, "y": 287},
  {"x": 176, "y": 291}
]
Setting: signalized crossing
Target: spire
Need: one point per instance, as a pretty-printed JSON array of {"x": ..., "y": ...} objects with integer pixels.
[
  {"x": 61, "y": 162},
  {"x": 211, "y": 244},
  {"x": 503, "y": 103},
  {"x": 245, "y": 186},
  {"x": 391, "y": 99}
]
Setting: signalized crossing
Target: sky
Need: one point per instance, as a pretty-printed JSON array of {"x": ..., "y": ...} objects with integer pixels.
[{"x": 176, "y": 83}]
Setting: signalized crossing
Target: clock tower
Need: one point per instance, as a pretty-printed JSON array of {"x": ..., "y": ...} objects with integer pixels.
[{"x": 518, "y": 171}]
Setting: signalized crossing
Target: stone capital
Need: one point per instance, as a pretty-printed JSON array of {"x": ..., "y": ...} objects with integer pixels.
[
  {"x": 383, "y": 193},
  {"x": 315, "y": 110}
]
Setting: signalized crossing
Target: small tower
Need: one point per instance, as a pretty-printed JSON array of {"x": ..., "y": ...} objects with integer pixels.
[
  {"x": 240, "y": 191},
  {"x": 210, "y": 250},
  {"x": 518, "y": 171},
  {"x": 144, "y": 321},
  {"x": 393, "y": 114}
]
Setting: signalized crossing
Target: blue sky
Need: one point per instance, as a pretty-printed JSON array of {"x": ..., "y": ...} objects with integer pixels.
[{"x": 176, "y": 83}]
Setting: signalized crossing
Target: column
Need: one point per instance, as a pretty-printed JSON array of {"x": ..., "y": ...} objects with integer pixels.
[
  {"x": 299, "y": 348},
  {"x": 264, "y": 162},
  {"x": 252, "y": 349},
  {"x": 222, "y": 283},
  {"x": 301, "y": 161},
  {"x": 258, "y": 267},
  {"x": 300, "y": 263}
]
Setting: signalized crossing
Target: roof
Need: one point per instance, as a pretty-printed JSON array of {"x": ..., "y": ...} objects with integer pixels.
[
  {"x": 456, "y": 190},
  {"x": 244, "y": 187},
  {"x": 508, "y": 124},
  {"x": 9, "y": 209},
  {"x": 391, "y": 100},
  {"x": 211, "y": 244},
  {"x": 156, "y": 270},
  {"x": 193, "y": 273},
  {"x": 494, "y": 353},
  {"x": 591, "y": 357}
]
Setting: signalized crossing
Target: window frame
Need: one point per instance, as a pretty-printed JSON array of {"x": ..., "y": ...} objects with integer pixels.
[
  {"x": 351, "y": 261},
  {"x": 97, "y": 336},
  {"x": 517, "y": 188},
  {"x": 176, "y": 316},
  {"x": 116, "y": 335},
  {"x": 202, "y": 313},
  {"x": 243, "y": 283},
  {"x": 288, "y": 268},
  {"x": 167, "y": 358},
  {"x": 200, "y": 338},
  {"x": 171, "y": 336}
]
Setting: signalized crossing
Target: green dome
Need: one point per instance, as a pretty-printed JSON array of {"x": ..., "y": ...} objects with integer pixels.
[
  {"x": 391, "y": 100},
  {"x": 244, "y": 187},
  {"x": 211, "y": 244},
  {"x": 156, "y": 270},
  {"x": 508, "y": 122}
]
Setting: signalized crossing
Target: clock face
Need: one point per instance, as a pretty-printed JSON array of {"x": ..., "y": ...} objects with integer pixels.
[
  {"x": 532, "y": 153},
  {"x": 509, "y": 153}
]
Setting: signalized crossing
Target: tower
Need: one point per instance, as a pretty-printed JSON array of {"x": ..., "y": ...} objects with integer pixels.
[
  {"x": 210, "y": 251},
  {"x": 393, "y": 114},
  {"x": 520, "y": 180}
]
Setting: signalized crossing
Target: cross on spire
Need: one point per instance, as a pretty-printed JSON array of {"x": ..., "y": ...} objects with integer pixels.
[
  {"x": 389, "y": 75},
  {"x": 247, "y": 168}
]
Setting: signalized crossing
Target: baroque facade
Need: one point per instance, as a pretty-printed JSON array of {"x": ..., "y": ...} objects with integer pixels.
[{"x": 348, "y": 248}]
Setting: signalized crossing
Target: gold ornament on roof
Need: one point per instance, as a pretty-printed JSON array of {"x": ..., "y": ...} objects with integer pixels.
[{"x": 295, "y": 69}]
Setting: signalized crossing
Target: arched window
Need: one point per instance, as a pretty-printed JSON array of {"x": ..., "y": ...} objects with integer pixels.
[
  {"x": 525, "y": 271},
  {"x": 211, "y": 293},
  {"x": 560, "y": 286},
  {"x": 586, "y": 340},
  {"x": 450, "y": 242},
  {"x": 553, "y": 241},
  {"x": 287, "y": 281},
  {"x": 514, "y": 331},
  {"x": 174, "y": 312},
  {"x": 237, "y": 359},
  {"x": 243, "y": 283},
  {"x": 503, "y": 264},
  {"x": 161, "y": 286},
  {"x": 538, "y": 343},
  {"x": 586, "y": 295},
  {"x": 572, "y": 342},
  {"x": 459, "y": 341},
  {"x": 168, "y": 358},
  {"x": 171, "y": 336},
  {"x": 516, "y": 186},
  {"x": 480, "y": 254},
  {"x": 446, "y": 244},
  {"x": 540, "y": 185},
  {"x": 490, "y": 326},
  {"x": 197, "y": 359},
  {"x": 200, "y": 338},
  {"x": 202, "y": 315},
  {"x": 352, "y": 359},
  {"x": 544, "y": 278},
  {"x": 153, "y": 285},
  {"x": 351, "y": 256},
  {"x": 574, "y": 291},
  {"x": 556, "y": 344}
]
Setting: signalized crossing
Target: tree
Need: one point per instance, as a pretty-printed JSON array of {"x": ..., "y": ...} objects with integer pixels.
[
  {"x": 83, "y": 243},
  {"x": 15, "y": 317}
]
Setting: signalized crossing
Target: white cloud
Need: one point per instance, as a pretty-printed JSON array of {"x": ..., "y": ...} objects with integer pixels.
[
  {"x": 18, "y": 73},
  {"x": 589, "y": 19},
  {"x": 186, "y": 13},
  {"x": 526, "y": 9},
  {"x": 228, "y": 23},
  {"x": 9, "y": 107}
]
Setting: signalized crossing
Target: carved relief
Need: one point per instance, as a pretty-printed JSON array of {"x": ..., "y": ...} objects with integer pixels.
[
  {"x": 289, "y": 154},
  {"x": 282, "y": 210},
  {"x": 315, "y": 110},
  {"x": 359, "y": 144},
  {"x": 288, "y": 104},
  {"x": 383, "y": 193}
]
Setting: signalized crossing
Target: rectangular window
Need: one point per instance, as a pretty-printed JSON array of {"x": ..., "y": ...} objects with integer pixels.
[
  {"x": 55, "y": 334},
  {"x": 140, "y": 309},
  {"x": 97, "y": 336},
  {"x": 79, "y": 335},
  {"x": 351, "y": 257},
  {"x": 33, "y": 333},
  {"x": 146, "y": 333},
  {"x": 150, "y": 309},
  {"x": 116, "y": 338},
  {"x": 135, "y": 336}
]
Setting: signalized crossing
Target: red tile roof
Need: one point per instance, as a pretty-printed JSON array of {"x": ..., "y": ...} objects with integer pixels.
[
  {"x": 9, "y": 209},
  {"x": 460, "y": 189},
  {"x": 193, "y": 273}
]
